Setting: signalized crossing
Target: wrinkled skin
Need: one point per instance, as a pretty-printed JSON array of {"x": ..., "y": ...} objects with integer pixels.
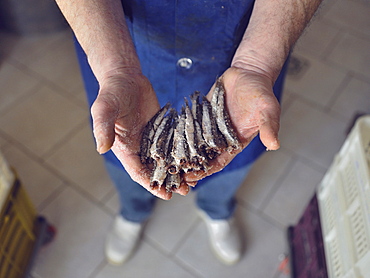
[{"x": 118, "y": 119}]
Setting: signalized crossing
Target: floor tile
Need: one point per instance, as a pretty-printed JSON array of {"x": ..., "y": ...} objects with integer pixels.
[
  {"x": 146, "y": 263},
  {"x": 352, "y": 14},
  {"x": 79, "y": 162},
  {"x": 319, "y": 83},
  {"x": 112, "y": 202},
  {"x": 311, "y": 133},
  {"x": 263, "y": 176},
  {"x": 296, "y": 189},
  {"x": 42, "y": 120},
  {"x": 14, "y": 85},
  {"x": 264, "y": 243},
  {"x": 352, "y": 53},
  {"x": 317, "y": 37},
  {"x": 59, "y": 65},
  {"x": 354, "y": 97},
  {"x": 171, "y": 221},
  {"x": 26, "y": 49},
  {"x": 79, "y": 243},
  {"x": 38, "y": 181},
  {"x": 3, "y": 142}
]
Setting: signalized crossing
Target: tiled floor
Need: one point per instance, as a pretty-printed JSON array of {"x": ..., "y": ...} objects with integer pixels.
[{"x": 45, "y": 135}]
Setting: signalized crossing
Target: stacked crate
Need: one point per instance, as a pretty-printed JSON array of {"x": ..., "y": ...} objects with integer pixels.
[
  {"x": 332, "y": 238},
  {"x": 19, "y": 226},
  {"x": 344, "y": 203}
]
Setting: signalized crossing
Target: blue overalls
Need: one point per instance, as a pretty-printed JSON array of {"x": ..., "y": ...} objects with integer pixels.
[{"x": 183, "y": 46}]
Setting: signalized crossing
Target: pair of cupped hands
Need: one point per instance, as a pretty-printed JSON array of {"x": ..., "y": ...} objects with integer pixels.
[{"x": 127, "y": 101}]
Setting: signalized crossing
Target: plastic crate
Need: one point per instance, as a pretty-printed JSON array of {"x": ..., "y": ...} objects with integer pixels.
[
  {"x": 22, "y": 232},
  {"x": 307, "y": 255},
  {"x": 344, "y": 204},
  {"x": 7, "y": 179}
]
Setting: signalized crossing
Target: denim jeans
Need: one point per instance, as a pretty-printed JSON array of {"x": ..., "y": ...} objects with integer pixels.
[{"x": 215, "y": 194}]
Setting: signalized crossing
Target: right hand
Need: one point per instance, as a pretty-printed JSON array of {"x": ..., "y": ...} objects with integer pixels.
[{"x": 126, "y": 102}]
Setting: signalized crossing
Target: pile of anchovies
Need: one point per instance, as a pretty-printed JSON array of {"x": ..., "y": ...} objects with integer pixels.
[{"x": 175, "y": 143}]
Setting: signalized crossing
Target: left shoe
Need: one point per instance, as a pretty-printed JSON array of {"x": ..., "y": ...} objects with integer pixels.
[{"x": 225, "y": 238}]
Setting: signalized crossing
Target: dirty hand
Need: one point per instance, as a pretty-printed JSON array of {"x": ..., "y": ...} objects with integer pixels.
[
  {"x": 253, "y": 110},
  {"x": 125, "y": 103}
]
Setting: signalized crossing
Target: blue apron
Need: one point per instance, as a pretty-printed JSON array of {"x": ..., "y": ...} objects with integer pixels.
[{"x": 203, "y": 35}]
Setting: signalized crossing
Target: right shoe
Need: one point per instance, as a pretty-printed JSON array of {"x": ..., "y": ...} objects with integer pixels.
[{"x": 122, "y": 240}]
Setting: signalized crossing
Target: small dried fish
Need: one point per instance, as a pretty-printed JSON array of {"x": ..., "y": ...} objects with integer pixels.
[
  {"x": 159, "y": 174},
  {"x": 196, "y": 107},
  {"x": 180, "y": 146},
  {"x": 149, "y": 132},
  {"x": 195, "y": 157},
  {"x": 157, "y": 149},
  {"x": 214, "y": 139},
  {"x": 173, "y": 182},
  {"x": 223, "y": 118},
  {"x": 187, "y": 142}
]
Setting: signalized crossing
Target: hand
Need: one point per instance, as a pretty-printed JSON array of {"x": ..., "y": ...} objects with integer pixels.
[
  {"x": 126, "y": 102},
  {"x": 253, "y": 109}
]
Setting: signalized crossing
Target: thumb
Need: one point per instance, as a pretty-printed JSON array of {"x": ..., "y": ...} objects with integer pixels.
[
  {"x": 269, "y": 134},
  {"x": 104, "y": 116}
]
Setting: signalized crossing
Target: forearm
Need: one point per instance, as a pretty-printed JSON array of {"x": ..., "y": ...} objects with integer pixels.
[
  {"x": 100, "y": 28},
  {"x": 273, "y": 29}
]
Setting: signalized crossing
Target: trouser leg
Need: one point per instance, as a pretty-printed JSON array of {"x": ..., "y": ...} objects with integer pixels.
[
  {"x": 216, "y": 194},
  {"x": 136, "y": 202}
]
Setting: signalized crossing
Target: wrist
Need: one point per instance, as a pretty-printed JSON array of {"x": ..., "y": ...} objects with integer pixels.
[{"x": 252, "y": 64}]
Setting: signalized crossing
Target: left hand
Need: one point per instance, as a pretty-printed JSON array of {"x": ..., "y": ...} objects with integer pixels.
[{"x": 253, "y": 110}]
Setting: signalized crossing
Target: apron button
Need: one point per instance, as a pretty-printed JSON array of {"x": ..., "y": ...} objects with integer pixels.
[{"x": 185, "y": 63}]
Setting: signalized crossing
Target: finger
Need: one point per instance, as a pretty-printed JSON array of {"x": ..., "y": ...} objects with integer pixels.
[
  {"x": 137, "y": 171},
  {"x": 104, "y": 117},
  {"x": 269, "y": 135},
  {"x": 183, "y": 189},
  {"x": 192, "y": 184},
  {"x": 214, "y": 166}
]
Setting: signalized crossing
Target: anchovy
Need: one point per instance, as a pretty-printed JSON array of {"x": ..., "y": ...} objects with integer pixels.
[
  {"x": 195, "y": 158},
  {"x": 214, "y": 139},
  {"x": 196, "y": 107},
  {"x": 148, "y": 134},
  {"x": 157, "y": 149},
  {"x": 180, "y": 146},
  {"x": 159, "y": 174},
  {"x": 223, "y": 118},
  {"x": 173, "y": 182}
]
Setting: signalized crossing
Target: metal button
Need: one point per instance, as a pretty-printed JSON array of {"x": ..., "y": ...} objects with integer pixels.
[{"x": 185, "y": 63}]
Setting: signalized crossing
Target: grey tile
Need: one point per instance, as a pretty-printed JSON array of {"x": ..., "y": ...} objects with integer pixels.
[
  {"x": 355, "y": 97},
  {"x": 14, "y": 84},
  {"x": 78, "y": 161},
  {"x": 38, "y": 181},
  {"x": 316, "y": 38},
  {"x": 319, "y": 83},
  {"x": 59, "y": 65},
  {"x": 288, "y": 203},
  {"x": 112, "y": 202},
  {"x": 146, "y": 263},
  {"x": 3, "y": 142},
  {"x": 78, "y": 246},
  {"x": 352, "y": 53},
  {"x": 311, "y": 133},
  {"x": 263, "y": 176},
  {"x": 171, "y": 220},
  {"x": 26, "y": 49},
  {"x": 352, "y": 15},
  {"x": 42, "y": 120},
  {"x": 264, "y": 243}
]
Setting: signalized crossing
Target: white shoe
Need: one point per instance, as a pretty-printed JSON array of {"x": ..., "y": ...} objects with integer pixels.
[
  {"x": 122, "y": 240},
  {"x": 225, "y": 238}
]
